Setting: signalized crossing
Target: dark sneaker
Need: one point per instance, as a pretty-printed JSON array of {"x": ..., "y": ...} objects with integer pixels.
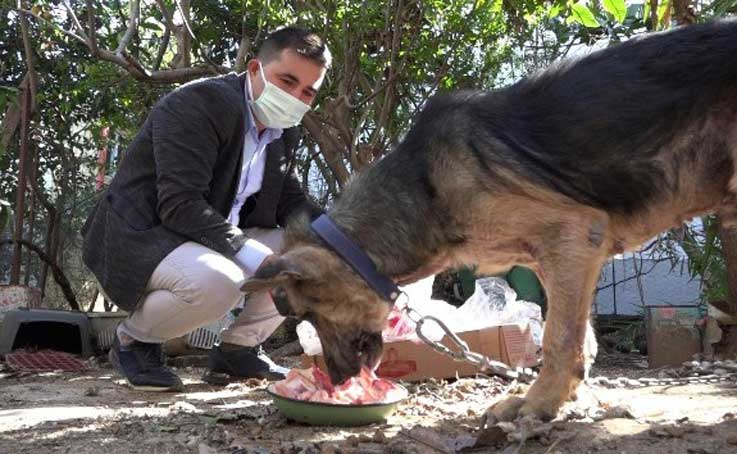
[
  {"x": 229, "y": 362},
  {"x": 142, "y": 365}
]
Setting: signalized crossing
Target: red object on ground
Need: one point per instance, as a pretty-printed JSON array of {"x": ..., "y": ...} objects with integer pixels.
[
  {"x": 314, "y": 385},
  {"x": 43, "y": 361}
]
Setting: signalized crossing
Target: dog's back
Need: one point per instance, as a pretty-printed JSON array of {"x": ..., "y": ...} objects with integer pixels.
[{"x": 596, "y": 129}]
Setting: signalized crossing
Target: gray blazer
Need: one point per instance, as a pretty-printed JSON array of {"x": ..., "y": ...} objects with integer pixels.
[{"x": 177, "y": 183}]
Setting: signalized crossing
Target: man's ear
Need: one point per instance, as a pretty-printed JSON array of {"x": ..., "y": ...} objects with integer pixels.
[
  {"x": 252, "y": 66},
  {"x": 272, "y": 272}
]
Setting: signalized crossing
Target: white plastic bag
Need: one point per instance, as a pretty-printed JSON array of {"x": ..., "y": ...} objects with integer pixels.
[{"x": 492, "y": 303}]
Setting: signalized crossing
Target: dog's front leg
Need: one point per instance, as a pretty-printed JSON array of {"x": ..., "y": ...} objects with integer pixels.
[{"x": 569, "y": 273}]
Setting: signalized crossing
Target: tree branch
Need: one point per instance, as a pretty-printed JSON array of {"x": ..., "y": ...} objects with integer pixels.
[
  {"x": 61, "y": 29},
  {"x": 91, "y": 27},
  {"x": 128, "y": 63},
  {"x": 57, "y": 272},
  {"x": 329, "y": 147},
  {"x": 243, "y": 49},
  {"x": 132, "y": 29},
  {"x": 28, "y": 51},
  {"x": 76, "y": 22},
  {"x": 169, "y": 27}
]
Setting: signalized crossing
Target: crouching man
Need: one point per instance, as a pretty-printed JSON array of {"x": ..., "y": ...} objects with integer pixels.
[{"x": 195, "y": 207}]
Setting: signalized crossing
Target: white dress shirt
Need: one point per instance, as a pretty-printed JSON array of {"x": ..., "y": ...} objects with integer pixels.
[{"x": 253, "y": 252}]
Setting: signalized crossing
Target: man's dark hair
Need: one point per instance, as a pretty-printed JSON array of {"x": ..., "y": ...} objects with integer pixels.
[{"x": 302, "y": 41}]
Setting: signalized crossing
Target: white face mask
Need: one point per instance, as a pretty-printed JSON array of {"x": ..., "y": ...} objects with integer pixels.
[{"x": 275, "y": 108}]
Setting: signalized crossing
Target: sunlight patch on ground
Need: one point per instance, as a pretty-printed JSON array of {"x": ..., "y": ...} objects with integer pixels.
[
  {"x": 27, "y": 417},
  {"x": 65, "y": 431},
  {"x": 239, "y": 404},
  {"x": 208, "y": 396}
]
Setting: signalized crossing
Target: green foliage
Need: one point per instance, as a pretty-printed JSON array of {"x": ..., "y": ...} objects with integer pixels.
[
  {"x": 616, "y": 8},
  {"x": 387, "y": 63},
  {"x": 705, "y": 259},
  {"x": 582, "y": 14}
]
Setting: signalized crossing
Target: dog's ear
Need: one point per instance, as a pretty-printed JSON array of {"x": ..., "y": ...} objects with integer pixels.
[{"x": 273, "y": 271}]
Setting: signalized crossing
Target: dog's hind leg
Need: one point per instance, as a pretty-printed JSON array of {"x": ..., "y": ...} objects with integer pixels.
[{"x": 570, "y": 263}]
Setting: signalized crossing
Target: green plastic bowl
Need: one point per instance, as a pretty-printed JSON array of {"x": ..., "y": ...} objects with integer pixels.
[{"x": 322, "y": 414}]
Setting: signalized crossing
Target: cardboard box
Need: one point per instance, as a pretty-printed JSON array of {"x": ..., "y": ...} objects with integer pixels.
[
  {"x": 411, "y": 361},
  {"x": 672, "y": 335}
]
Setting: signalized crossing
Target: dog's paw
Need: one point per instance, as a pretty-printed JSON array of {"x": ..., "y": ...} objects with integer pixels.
[
  {"x": 504, "y": 410},
  {"x": 513, "y": 408}
]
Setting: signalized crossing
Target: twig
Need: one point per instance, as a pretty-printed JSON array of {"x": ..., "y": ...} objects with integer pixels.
[
  {"x": 553, "y": 445},
  {"x": 61, "y": 29},
  {"x": 135, "y": 12},
  {"x": 169, "y": 24},
  {"x": 194, "y": 38},
  {"x": 77, "y": 24}
]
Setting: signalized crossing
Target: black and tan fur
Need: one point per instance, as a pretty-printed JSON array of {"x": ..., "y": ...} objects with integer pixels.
[{"x": 557, "y": 172}]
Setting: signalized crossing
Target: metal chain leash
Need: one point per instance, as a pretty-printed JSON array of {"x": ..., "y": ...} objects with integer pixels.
[
  {"x": 692, "y": 373},
  {"x": 697, "y": 372},
  {"x": 463, "y": 353}
]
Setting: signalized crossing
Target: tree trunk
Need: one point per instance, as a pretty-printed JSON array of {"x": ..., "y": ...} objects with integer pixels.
[
  {"x": 684, "y": 12},
  {"x": 728, "y": 238},
  {"x": 20, "y": 196},
  {"x": 31, "y": 232},
  {"x": 54, "y": 219},
  {"x": 31, "y": 220}
]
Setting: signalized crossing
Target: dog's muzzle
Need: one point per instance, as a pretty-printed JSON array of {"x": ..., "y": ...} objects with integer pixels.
[{"x": 279, "y": 296}]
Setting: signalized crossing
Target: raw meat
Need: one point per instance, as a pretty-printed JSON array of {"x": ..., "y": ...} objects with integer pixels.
[{"x": 314, "y": 385}]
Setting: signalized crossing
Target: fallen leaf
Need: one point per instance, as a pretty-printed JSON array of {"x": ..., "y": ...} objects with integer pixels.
[
  {"x": 428, "y": 437},
  {"x": 490, "y": 436},
  {"x": 92, "y": 391},
  {"x": 207, "y": 419},
  {"x": 379, "y": 436}
]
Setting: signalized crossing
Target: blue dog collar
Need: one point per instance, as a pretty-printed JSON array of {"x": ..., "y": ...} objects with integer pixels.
[{"x": 331, "y": 234}]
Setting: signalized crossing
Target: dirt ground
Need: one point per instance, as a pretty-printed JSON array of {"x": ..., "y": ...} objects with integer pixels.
[{"x": 93, "y": 412}]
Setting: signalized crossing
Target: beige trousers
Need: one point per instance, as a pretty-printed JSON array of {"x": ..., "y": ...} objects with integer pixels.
[{"x": 195, "y": 286}]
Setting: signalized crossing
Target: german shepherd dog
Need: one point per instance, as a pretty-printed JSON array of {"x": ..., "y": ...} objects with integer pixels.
[{"x": 557, "y": 172}]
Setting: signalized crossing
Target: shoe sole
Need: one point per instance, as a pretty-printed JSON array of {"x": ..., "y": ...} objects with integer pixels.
[
  {"x": 218, "y": 379},
  {"x": 113, "y": 357},
  {"x": 223, "y": 379}
]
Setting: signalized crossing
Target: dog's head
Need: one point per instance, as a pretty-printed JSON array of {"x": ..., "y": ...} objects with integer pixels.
[{"x": 318, "y": 286}]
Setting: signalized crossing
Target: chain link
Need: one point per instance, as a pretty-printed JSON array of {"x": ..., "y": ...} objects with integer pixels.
[
  {"x": 462, "y": 352},
  {"x": 700, "y": 372}
]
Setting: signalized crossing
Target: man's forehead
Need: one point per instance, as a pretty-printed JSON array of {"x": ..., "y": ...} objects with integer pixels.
[{"x": 304, "y": 71}]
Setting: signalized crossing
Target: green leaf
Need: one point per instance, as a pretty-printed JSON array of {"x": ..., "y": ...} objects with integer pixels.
[
  {"x": 583, "y": 15},
  {"x": 616, "y": 8},
  {"x": 554, "y": 11},
  {"x": 152, "y": 23}
]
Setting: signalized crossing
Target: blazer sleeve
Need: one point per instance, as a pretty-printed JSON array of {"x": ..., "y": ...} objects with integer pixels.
[{"x": 189, "y": 128}]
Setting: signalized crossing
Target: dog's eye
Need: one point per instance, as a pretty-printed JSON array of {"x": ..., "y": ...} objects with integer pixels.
[{"x": 279, "y": 296}]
